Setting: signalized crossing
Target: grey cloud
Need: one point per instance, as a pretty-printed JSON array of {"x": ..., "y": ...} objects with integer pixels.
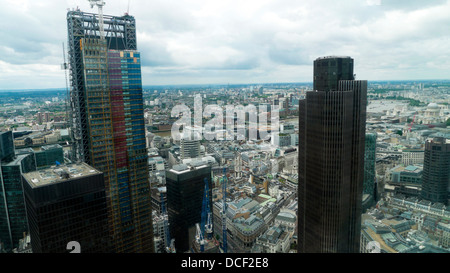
[
  {"x": 234, "y": 64},
  {"x": 155, "y": 53},
  {"x": 409, "y": 5},
  {"x": 288, "y": 56},
  {"x": 246, "y": 41}
]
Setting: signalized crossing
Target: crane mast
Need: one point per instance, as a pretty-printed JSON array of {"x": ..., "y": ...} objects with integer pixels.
[
  {"x": 208, "y": 213},
  {"x": 170, "y": 243},
  {"x": 206, "y": 220},
  {"x": 412, "y": 122},
  {"x": 199, "y": 237},
  {"x": 224, "y": 209},
  {"x": 99, "y": 4}
]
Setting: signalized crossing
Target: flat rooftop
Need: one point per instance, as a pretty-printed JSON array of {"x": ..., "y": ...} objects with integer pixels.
[
  {"x": 16, "y": 160},
  {"x": 409, "y": 169},
  {"x": 334, "y": 57},
  {"x": 183, "y": 168},
  {"x": 56, "y": 174},
  {"x": 51, "y": 146}
]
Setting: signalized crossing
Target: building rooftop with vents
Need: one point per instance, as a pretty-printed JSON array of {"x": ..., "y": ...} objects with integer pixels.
[
  {"x": 185, "y": 168},
  {"x": 59, "y": 173}
]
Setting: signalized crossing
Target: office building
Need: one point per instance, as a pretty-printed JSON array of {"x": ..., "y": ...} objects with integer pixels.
[
  {"x": 190, "y": 142},
  {"x": 281, "y": 139},
  {"x": 412, "y": 156},
  {"x": 190, "y": 148},
  {"x": 436, "y": 171},
  {"x": 405, "y": 180},
  {"x": 6, "y": 146},
  {"x": 274, "y": 240},
  {"x": 185, "y": 190},
  {"x": 331, "y": 158},
  {"x": 409, "y": 176},
  {"x": 13, "y": 218},
  {"x": 108, "y": 121},
  {"x": 66, "y": 203},
  {"x": 46, "y": 156},
  {"x": 49, "y": 155}
]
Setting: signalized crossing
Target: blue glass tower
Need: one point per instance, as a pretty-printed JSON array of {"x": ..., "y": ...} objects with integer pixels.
[{"x": 108, "y": 122}]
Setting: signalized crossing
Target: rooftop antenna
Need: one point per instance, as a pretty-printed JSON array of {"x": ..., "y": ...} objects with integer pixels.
[{"x": 99, "y": 4}]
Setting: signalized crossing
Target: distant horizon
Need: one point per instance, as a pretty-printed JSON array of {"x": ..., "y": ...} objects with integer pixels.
[
  {"x": 203, "y": 42},
  {"x": 221, "y": 84}
]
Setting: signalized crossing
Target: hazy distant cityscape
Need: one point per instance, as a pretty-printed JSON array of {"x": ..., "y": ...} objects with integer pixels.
[{"x": 402, "y": 115}]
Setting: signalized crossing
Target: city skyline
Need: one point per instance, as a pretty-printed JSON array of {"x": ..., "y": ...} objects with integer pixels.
[
  {"x": 350, "y": 163},
  {"x": 257, "y": 42}
]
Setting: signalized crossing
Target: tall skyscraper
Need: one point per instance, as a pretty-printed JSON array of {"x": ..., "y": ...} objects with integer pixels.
[
  {"x": 13, "y": 218},
  {"x": 185, "y": 189},
  {"x": 66, "y": 203},
  {"x": 436, "y": 171},
  {"x": 331, "y": 158},
  {"x": 329, "y": 71},
  {"x": 6, "y": 146},
  {"x": 107, "y": 121}
]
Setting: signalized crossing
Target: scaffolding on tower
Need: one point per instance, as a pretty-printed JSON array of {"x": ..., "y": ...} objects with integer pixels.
[
  {"x": 204, "y": 229},
  {"x": 170, "y": 243},
  {"x": 224, "y": 209},
  {"x": 118, "y": 33}
]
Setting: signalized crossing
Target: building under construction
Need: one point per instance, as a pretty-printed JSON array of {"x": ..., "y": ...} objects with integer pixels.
[{"x": 107, "y": 120}]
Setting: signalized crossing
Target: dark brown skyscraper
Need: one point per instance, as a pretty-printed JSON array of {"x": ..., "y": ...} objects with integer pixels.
[
  {"x": 66, "y": 203},
  {"x": 436, "y": 171},
  {"x": 329, "y": 71},
  {"x": 331, "y": 158}
]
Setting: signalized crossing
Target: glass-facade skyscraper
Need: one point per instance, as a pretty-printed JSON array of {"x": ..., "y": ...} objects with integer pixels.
[
  {"x": 185, "y": 190},
  {"x": 369, "y": 164},
  {"x": 328, "y": 71},
  {"x": 332, "y": 122},
  {"x": 6, "y": 146},
  {"x": 107, "y": 121},
  {"x": 66, "y": 203},
  {"x": 436, "y": 171},
  {"x": 46, "y": 156},
  {"x": 13, "y": 218}
]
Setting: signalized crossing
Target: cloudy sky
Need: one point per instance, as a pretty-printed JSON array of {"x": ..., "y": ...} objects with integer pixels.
[{"x": 238, "y": 41}]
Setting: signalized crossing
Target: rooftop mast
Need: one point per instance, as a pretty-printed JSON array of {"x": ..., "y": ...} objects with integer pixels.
[{"x": 99, "y": 4}]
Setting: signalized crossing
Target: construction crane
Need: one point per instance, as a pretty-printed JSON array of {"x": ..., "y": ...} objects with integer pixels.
[
  {"x": 65, "y": 67},
  {"x": 206, "y": 220},
  {"x": 128, "y": 8},
  {"x": 99, "y": 4},
  {"x": 170, "y": 243},
  {"x": 199, "y": 237},
  {"x": 412, "y": 122},
  {"x": 209, "y": 225},
  {"x": 224, "y": 210},
  {"x": 208, "y": 212}
]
